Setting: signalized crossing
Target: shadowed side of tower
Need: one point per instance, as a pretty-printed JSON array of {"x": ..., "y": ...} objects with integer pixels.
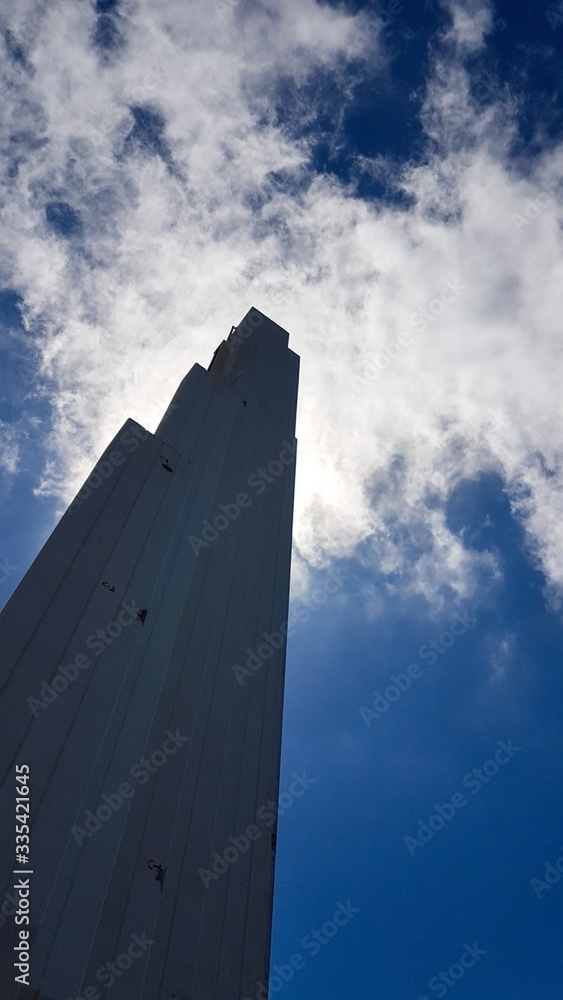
[{"x": 140, "y": 687}]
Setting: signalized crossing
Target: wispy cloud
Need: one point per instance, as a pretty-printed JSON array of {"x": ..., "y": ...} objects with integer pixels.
[
  {"x": 153, "y": 196},
  {"x": 501, "y": 652}
]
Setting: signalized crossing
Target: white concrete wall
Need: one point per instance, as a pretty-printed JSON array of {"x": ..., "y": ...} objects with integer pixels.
[{"x": 174, "y": 672}]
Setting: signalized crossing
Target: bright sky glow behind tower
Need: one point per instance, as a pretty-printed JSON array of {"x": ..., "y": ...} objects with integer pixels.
[{"x": 385, "y": 182}]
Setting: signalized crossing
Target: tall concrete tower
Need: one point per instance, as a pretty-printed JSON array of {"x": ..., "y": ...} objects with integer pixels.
[{"x": 142, "y": 674}]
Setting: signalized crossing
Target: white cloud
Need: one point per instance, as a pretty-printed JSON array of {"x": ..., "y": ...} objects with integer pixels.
[
  {"x": 472, "y": 21},
  {"x": 372, "y": 601},
  {"x": 501, "y": 652},
  {"x": 172, "y": 253},
  {"x": 9, "y": 449}
]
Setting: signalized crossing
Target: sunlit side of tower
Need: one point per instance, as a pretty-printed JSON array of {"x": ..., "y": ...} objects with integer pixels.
[{"x": 151, "y": 745}]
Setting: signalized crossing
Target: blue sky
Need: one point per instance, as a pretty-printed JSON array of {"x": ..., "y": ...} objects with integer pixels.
[{"x": 386, "y": 182}]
